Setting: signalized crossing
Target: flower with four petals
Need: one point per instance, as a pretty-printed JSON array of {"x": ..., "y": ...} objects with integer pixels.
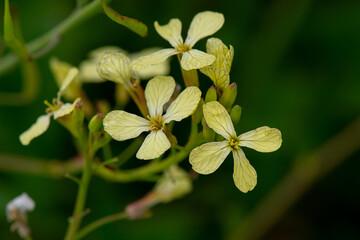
[
  {"x": 122, "y": 125},
  {"x": 203, "y": 24},
  {"x": 206, "y": 158}
]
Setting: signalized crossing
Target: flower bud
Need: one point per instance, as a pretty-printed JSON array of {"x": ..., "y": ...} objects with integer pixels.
[
  {"x": 96, "y": 122},
  {"x": 229, "y": 96},
  {"x": 235, "y": 114},
  {"x": 211, "y": 95}
]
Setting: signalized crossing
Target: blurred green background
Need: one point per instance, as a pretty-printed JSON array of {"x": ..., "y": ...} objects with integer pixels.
[{"x": 297, "y": 66}]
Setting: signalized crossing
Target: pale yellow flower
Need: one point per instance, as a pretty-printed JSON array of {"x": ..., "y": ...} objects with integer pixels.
[
  {"x": 203, "y": 24},
  {"x": 57, "y": 110},
  {"x": 88, "y": 67},
  {"x": 206, "y": 158},
  {"x": 122, "y": 125},
  {"x": 219, "y": 70}
]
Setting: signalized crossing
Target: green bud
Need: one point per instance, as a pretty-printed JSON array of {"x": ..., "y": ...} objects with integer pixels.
[
  {"x": 96, "y": 122},
  {"x": 235, "y": 114},
  {"x": 77, "y": 116},
  {"x": 211, "y": 95},
  {"x": 197, "y": 116},
  {"x": 208, "y": 133},
  {"x": 229, "y": 96}
]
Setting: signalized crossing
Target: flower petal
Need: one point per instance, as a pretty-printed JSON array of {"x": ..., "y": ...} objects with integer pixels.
[
  {"x": 158, "y": 92},
  {"x": 153, "y": 59},
  {"x": 155, "y": 144},
  {"x": 122, "y": 125},
  {"x": 38, "y": 128},
  {"x": 263, "y": 139},
  {"x": 115, "y": 66},
  {"x": 206, "y": 158},
  {"x": 219, "y": 76},
  {"x": 161, "y": 69},
  {"x": 245, "y": 176},
  {"x": 204, "y": 24},
  {"x": 70, "y": 76},
  {"x": 218, "y": 119},
  {"x": 195, "y": 59},
  {"x": 66, "y": 109},
  {"x": 184, "y": 105},
  {"x": 170, "y": 32}
]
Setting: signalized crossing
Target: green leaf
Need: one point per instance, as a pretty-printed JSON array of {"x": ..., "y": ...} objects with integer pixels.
[
  {"x": 132, "y": 24},
  {"x": 9, "y": 35}
]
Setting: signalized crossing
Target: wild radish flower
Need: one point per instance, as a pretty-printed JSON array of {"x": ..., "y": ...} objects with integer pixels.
[
  {"x": 206, "y": 158},
  {"x": 203, "y": 24},
  {"x": 122, "y": 125},
  {"x": 88, "y": 68},
  {"x": 219, "y": 70},
  {"x": 16, "y": 211},
  {"x": 57, "y": 109}
]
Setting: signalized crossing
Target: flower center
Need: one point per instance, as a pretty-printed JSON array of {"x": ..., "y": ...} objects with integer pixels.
[
  {"x": 183, "y": 47},
  {"x": 234, "y": 143},
  {"x": 157, "y": 123},
  {"x": 52, "y": 107}
]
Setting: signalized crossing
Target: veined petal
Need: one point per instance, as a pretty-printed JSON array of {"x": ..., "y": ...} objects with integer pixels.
[
  {"x": 38, "y": 128},
  {"x": 262, "y": 139},
  {"x": 155, "y": 144},
  {"x": 66, "y": 109},
  {"x": 122, "y": 125},
  {"x": 206, "y": 158},
  {"x": 245, "y": 176},
  {"x": 204, "y": 24},
  {"x": 158, "y": 92},
  {"x": 218, "y": 119},
  {"x": 153, "y": 59},
  {"x": 195, "y": 59},
  {"x": 184, "y": 105},
  {"x": 219, "y": 76},
  {"x": 115, "y": 66},
  {"x": 88, "y": 72},
  {"x": 161, "y": 69},
  {"x": 170, "y": 32}
]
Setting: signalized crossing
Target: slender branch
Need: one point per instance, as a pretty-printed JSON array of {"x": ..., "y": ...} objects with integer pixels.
[
  {"x": 40, "y": 167},
  {"x": 100, "y": 222},
  {"x": 292, "y": 187},
  {"x": 79, "y": 16}
]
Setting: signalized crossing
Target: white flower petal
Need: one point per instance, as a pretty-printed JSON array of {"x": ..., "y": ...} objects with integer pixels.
[
  {"x": 218, "y": 119},
  {"x": 59, "y": 69},
  {"x": 66, "y": 109},
  {"x": 158, "y": 91},
  {"x": 155, "y": 144},
  {"x": 38, "y": 128},
  {"x": 184, "y": 105},
  {"x": 170, "y": 32},
  {"x": 204, "y": 24},
  {"x": 195, "y": 59},
  {"x": 153, "y": 59},
  {"x": 263, "y": 139},
  {"x": 22, "y": 203},
  {"x": 122, "y": 125},
  {"x": 245, "y": 176},
  {"x": 206, "y": 158},
  {"x": 115, "y": 66},
  {"x": 161, "y": 69}
]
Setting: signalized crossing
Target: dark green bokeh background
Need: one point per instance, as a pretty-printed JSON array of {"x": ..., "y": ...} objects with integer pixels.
[{"x": 297, "y": 68}]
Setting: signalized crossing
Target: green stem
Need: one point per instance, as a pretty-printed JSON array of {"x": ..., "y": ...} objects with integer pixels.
[
  {"x": 78, "y": 17},
  {"x": 190, "y": 77},
  {"x": 153, "y": 167},
  {"x": 82, "y": 192},
  {"x": 100, "y": 222}
]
